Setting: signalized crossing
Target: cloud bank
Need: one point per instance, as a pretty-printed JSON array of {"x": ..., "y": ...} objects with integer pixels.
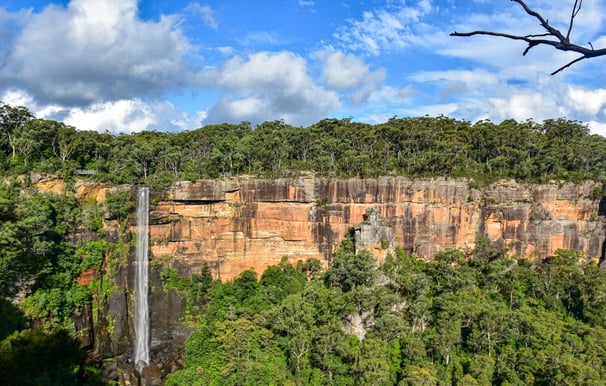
[{"x": 100, "y": 65}]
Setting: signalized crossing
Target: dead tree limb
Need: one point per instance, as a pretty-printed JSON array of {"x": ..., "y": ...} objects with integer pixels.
[{"x": 552, "y": 37}]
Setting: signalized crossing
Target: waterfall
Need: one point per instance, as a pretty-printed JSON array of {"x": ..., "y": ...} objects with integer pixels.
[{"x": 142, "y": 333}]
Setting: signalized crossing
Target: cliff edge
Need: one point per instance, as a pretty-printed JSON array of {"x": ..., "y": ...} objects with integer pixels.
[{"x": 237, "y": 224}]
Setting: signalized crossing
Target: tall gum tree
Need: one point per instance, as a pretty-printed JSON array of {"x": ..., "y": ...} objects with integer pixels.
[{"x": 12, "y": 120}]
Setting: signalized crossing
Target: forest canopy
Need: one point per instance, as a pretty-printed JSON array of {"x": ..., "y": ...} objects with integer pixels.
[
  {"x": 556, "y": 149},
  {"x": 463, "y": 318}
]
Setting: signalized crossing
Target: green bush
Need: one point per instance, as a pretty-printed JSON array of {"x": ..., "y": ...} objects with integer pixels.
[
  {"x": 119, "y": 205},
  {"x": 34, "y": 357}
]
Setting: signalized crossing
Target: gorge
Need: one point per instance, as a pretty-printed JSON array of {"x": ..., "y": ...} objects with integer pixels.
[
  {"x": 231, "y": 225},
  {"x": 476, "y": 198}
]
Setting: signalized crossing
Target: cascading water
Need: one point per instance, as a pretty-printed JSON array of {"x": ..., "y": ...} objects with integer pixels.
[{"x": 141, "y": 282}]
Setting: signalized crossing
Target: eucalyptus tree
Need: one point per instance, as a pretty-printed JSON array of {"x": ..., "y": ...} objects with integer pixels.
[{"x": 12, "y": 120}]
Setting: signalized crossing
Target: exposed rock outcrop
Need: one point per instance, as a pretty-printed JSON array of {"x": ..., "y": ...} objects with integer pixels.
[
  {"x": 238, "y": 224},
  {"x": 114, "y": 328},
  {"x": 374, "y": 235}
]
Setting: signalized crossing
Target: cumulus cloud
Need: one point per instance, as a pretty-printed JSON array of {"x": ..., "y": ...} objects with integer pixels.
[
  {"x": 350, "y": 75},
  {"x": 98, "y": 65},
  {"x": 121, "y": 116},
  {"x": 269, "y": 86},
  {"x": 545, "y": 98},
  {"x": 15, "y": 97},
  {"x": 128, "y": 116},
  {"x": 588, "y": 101},
  {"x": 521, "y": 106},
  {"x": 95, "y": 51}
]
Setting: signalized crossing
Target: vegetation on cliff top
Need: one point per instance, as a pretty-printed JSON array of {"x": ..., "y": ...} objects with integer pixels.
[{"x": 417, "y": 147}]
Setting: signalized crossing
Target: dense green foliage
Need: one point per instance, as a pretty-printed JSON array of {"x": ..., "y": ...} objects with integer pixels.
[
  {"x": 428, "y": 146},
  {"x": 480, "y": 318},
  {"x": 37, "y": 358},
  {"x": 46, "y": 241}
]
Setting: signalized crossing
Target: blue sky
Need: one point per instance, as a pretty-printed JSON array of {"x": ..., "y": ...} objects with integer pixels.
[{"x": 172, "y": 65}]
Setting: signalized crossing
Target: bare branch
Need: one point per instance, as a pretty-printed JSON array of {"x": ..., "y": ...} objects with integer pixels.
[
  {"x": 545, "y": 23},
  {"x": 568, "y": 65},
  {"x": 576, "y": 8},
  {"x": 557, "y": 41}
]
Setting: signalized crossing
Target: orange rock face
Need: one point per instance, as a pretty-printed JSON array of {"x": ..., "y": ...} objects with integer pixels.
[
  {"x": 234, "y": 225},
  {"x": 87, "y": 276}
]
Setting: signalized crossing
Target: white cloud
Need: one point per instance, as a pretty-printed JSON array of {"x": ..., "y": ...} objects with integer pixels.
[
  {"x": 15, "y": 97},
  {"x": 350, "y": 75},
  {"x": 128, "y": 116},
  {"x": 504, "y": 53},
  {"x": 205, "y": 13},
  {"x": 597, "y": 128},
  {"x": 343, "y": 71},
  {"x": 99, "y": 65},
  {"x": 384, "y": 29},
  {"x": 95, "y": 51},
  {"x": 520, "y": 106},
  {"x": 269, "y": 86},
  {"x": 499, "y": 83},
  {"x": 305, "y": 3},
  {"x": 121, "y": 116},
  {"x": 475, "y": 79},
  {"x": 544, "y": 97},
  {"x": 376, "y": 31},
  {"x": 385, "y": 103},
  {"x": 588, "y": 101}
]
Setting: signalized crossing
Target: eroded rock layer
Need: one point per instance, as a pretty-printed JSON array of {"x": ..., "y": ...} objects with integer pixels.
[{"x": 238, "y": 224}]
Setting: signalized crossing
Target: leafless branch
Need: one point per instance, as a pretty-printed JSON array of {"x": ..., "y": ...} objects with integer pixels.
[
  {"x": 568, "y": 65},
  {"x": 553, "y": 37},
  {"x": 576, "y": 8}
]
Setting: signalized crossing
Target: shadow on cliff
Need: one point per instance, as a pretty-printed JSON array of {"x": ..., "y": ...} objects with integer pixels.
[
  {"x": 602, "y": 212},
  {"x": 12, "y": 319}
]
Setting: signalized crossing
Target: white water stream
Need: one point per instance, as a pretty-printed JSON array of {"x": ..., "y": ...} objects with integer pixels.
[{"x": 142, "y": 333}]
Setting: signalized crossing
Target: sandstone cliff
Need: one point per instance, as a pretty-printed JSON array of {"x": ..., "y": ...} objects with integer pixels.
[{"x": 238, "y": 224}]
